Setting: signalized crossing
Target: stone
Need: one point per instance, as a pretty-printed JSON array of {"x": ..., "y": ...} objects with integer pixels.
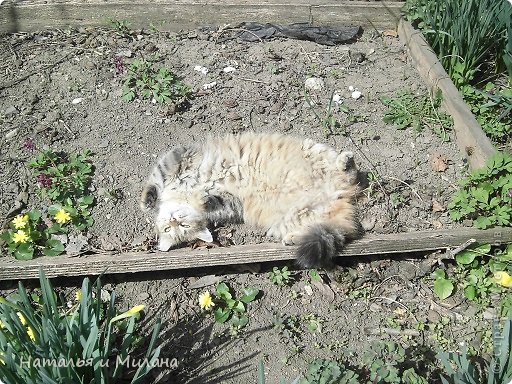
[{"x": 314, "y": 84}]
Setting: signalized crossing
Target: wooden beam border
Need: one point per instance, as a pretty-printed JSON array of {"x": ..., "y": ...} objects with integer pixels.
[
  {"x": 132, "y": 262},
  {"x": 470, "y": 137},
  {"x": 169, "y": 15}
]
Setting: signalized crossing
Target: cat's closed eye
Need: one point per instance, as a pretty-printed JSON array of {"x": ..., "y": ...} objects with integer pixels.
[{"x": 184, "y": 225}]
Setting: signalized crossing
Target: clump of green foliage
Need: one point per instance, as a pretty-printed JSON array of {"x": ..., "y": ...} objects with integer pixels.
[
  {"x": 143, "y": 79},
  {"x": 475, "y": 269},
  {"x": 473, "y": 40},
  {"x": 485, "y": 196},
  {"x": 228, "y": 307},
  {"x": 461, "y": 370},
  {"x": 64, "y": 180},
  {"x": 406, "y": 109},
  {"x": 81, "y": 344},
  {"x": 280, "y": 276}
]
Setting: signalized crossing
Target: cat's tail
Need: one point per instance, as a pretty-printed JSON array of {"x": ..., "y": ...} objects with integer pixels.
[{"x": 319, "y": 246}]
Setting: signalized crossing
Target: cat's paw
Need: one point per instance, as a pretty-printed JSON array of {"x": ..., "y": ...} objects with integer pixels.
[
  {"x": 149, "y": 198},
  {"x": 290, "y": 239}
]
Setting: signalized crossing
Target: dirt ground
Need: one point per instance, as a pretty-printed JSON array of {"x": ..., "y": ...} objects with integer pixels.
[{"x": 61, "y": 89}]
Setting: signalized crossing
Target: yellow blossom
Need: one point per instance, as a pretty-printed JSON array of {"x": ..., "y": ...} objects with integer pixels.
[
  {"x": 136, "y": 309},
  {"x": 20, "y": 236},
  {"x": 503, "y": 278},
  {"x": 205, "y": 300},
  {"x": 78, "y": 295},
  {"x": 30, "y": 333},
  {"x": 20, "y": 221},
  {"x": 62, "y": 217},
  {"x": 22, "y": 318}
]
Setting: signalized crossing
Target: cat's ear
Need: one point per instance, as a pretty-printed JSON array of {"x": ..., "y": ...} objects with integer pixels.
[
  {"x": 149, "y": 197},
  {"x": 205, "y": 235}
]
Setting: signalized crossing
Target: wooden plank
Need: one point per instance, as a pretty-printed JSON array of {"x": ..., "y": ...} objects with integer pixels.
[
  {"x": 132, "y": 262},
  {"x": 169, "y": 15},
  {"x": 472, "y": 141}
]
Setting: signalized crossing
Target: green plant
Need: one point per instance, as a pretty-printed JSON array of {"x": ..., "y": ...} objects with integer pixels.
[
  {"x": 397, "y": 200},
  {"x": 44, "y": 341},
  {"x": 144, "y": 80},
  {"x": 322, "y": 371},
  {"x": 485, "y": 196},
  {"x": 121, "y": 26},
  {"x": 29, "y": 236},
  {"x": 465, "y": 35},
  {"x": 313, "y": 322},
  {"x": 228, "y": 307},
  {"x": 407, "y": 109},
  {"x": 281, "y": 276},
  {"x": 461, "y": 370},
  {"x": 443, "y": 287},
  {"x": 492, "y": 107}
]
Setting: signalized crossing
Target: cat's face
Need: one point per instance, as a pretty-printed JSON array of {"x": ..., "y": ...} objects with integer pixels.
[{"x": 180, "y": 222}]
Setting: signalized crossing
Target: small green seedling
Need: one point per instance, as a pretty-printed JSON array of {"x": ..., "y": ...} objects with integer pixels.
[
  {"x": 280, "y": 277},
  {"x": 230, "y": 308}
]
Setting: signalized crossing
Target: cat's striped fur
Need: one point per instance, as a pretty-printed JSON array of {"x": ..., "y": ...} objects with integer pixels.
[{"x": 299, "y": 191}]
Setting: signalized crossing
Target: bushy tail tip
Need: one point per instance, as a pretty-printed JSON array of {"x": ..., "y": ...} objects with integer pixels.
[{"x": 319, "y": 246}]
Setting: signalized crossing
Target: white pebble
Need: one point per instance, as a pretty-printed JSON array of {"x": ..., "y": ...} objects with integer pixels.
[
  {"x": 314, "y": 83},
  {"x": 336, "y": 98},
  {"x": 356, "y": 94},
  {"x": 209, "y": 85},
  {"x": 78, "y": 100},
  {"x": 351, "y": 88},
  {"x": 201, "y": 69},
  {"x": 229, "y": 69}
]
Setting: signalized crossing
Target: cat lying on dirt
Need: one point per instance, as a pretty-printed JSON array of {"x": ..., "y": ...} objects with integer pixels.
[{"x": 299, "y": 191}]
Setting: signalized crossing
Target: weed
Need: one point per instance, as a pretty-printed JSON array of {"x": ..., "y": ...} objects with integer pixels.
[
  {"x": 227, "y": 307},
  {"x": 84, "y": 342},
  {"x": 142, "y": 79},
  {"x": 485, "y": 196},
  {"x": 313, "y": 322},
  {"x": 329, "y": 372},
  {"x": 314, "y": 275},
  {"x": 280, "y": 277},
  {"x": 407, "y": 109},
  {"x": 121, "y": 26},
  {"x": 397, "y": 200},
  {"x": 64, "y": 180}
]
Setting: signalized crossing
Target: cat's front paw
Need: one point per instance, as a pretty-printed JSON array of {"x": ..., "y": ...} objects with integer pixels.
[
  {"x": 345, "y": 161},
  {"x": 289, "y": 239}
]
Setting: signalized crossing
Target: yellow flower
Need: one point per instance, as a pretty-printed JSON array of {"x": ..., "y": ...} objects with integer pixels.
[
  {"x": 30, "y": 333},
  {"x": 205, "y": 300},
  {"x": 503, "y": 278},
  {"x": 20, "y": 221},
  {"x": 20, "y": 236},
  {"x": 22, "y": 318},
  {"x": 62, "y": 217},
  {"x": 136, "y": 309},
  {"x": 78, "y": 295}
]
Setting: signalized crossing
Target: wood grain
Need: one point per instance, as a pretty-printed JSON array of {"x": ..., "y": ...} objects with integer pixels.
[
  {"x": 132, "y": 262},
  {"x": 169, "y": 15},
  {"x": 471, "y": 140}
]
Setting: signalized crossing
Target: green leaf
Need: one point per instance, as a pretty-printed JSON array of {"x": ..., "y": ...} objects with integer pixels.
[
  {"x": 439, "y": 274},
  {"x": 249, "y": 294},
  {"x": 470, "y": 292},
  {"x": 314, "y": 275},
  {"x": 482, "y": 222},
  {"x": 468, "y": 255},
  {"x": 239, "y": 321},
  {"x": 86, "y": 200},
  {"x": 53, "y": 247},
  {"x": 443, "y": 288},
  {"x": 223, "y": 291},
  {"x": 221, "y": 314},
  {"x": 24, "y": 252},
  {"x": 53, "y": 209}
]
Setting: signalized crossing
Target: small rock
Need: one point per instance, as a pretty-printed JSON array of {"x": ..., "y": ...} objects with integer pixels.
[
  {"x": 125, "y": 53},
  {"x": 314, "y": 84},
  {"x": 78, "y": 100},
  {"x": 358, "y": 57},
  {"x": 336, "y": 99},
  {"x": 233, "y": 116},
  {"x": 209, "y": 85},
  {"x": 76, "y": 244},
  {"x": 10, "y": 111},
  {"x": 104, "y": 144},
  {"x": 231, "y": 103},
  {"x": 229, "y": 69},
  {"x": 201, "y": 69},
  {"x": 89, "y": 64},
  {"x": 368, "y": 223},
  {"x": 142, "y": 297},
  {"x": 11, "y": 134},
  {"x": 356, "y": 94},
  {"x": 308, "y": 290}
]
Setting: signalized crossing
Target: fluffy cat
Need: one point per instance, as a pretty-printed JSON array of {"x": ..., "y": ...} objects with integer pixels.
[{"x": 299, "y": 191}]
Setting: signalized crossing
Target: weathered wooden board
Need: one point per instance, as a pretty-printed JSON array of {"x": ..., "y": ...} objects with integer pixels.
[
  {"x": 132, "y": 262},
  {"x": 472, "y": 141},
  {"x": 175, "y": 15}
]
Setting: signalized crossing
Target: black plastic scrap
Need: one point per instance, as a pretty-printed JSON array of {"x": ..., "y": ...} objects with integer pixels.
[{"x": 301, "y": 31}]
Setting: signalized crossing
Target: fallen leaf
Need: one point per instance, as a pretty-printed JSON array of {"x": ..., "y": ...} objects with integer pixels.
[
  {"x": 436, "y": 206},
  {"x": 439, "y": 162},
  {"x": 437, "y": 224},
  {"x": 205, "y": 281},
  {"x": 390, "y": 33},
  {"x": 324, "y": 289}
]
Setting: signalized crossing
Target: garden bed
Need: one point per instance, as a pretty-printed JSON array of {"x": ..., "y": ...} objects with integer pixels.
[{"x": 63, "y": 91}]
